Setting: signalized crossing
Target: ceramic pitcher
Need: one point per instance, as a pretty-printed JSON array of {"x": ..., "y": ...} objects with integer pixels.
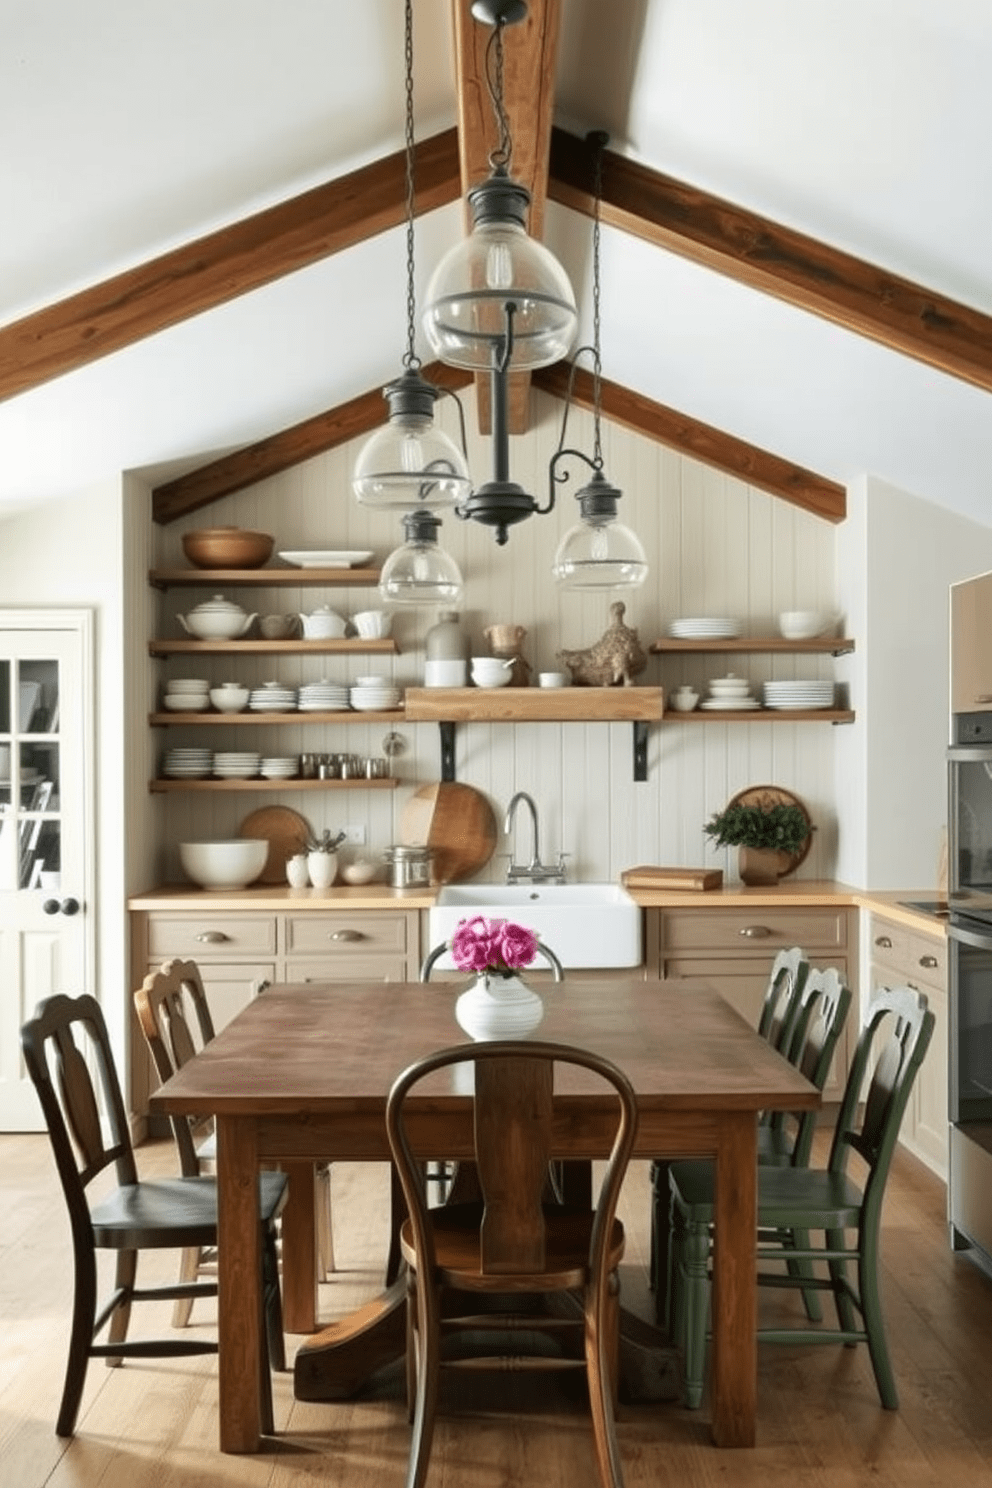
[{"x": 505, "y": 641}]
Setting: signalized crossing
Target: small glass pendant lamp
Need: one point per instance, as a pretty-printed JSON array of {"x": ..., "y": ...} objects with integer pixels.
[{"x": 420, "y": 572}]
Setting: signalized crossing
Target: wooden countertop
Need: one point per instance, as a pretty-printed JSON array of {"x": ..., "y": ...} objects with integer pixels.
[{"x": 280, "y": 898}]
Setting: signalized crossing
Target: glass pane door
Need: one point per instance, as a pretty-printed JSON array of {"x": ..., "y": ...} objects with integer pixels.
[{"x": 30, "y": 773}]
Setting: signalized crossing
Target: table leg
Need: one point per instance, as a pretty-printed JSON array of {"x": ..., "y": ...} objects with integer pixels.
[
  {"x": 239, "y": 1312},
  {"x": 299, "y": 1252},
  {"x": 735, "y": 1305}
]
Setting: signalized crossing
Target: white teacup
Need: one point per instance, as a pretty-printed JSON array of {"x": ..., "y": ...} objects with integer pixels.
[
  {"x": 278, "y": 627},
  {"x": 372, "y": 625}
]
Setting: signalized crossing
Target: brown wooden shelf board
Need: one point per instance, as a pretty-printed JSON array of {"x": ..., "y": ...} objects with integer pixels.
[
  {"x": 257, "y": 578},
  {"x": 819, "y": 645},
  {"x": 355, "y": 646},
  {"x": 294, "y": 715},
  {"x": 533, "y": 704},
  {"x": 763, "y": 715},
  {"x": 159, "y": 787}
]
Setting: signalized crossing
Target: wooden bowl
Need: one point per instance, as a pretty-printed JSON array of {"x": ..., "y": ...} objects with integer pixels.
[{"x": 227, "y": 547}]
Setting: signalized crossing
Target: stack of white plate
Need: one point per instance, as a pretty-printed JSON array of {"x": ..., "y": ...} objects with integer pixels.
[
  {"x": 704, "y": 628},
  {"x": 799, "y": 694},
  {"x": 187, "y": 764},
  {"x": 272, "y": 697},
  {"x": 280, "y": 767},
  {"x": 371, "y": 694},
  {"x": 730, "y": 694},
  {"x": 187, "y": 695},
  {"x": 232, "y": 764},
  {"x": 323, "y": 697}
]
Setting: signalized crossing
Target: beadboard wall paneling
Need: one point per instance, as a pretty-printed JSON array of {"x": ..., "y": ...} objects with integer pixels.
[{"x": 715, "y": 546}]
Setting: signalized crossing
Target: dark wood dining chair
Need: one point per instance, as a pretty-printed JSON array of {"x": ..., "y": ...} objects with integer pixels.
[
  {"x": 511, "y": 1243},
  {"x": 68, "y": 1058},
  {"x": 796, "y": 1201},
  {"x": 175, "y": 1018}
]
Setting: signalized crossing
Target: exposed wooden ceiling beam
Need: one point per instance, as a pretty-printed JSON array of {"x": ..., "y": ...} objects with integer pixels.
[
  {"x": 530, "y": 48},
  {"x": 667, "y": 426},
  {"x": 856, "y": 295},
  {"x": 223, "y": 265},
  {"x": 177, "y": 498}
]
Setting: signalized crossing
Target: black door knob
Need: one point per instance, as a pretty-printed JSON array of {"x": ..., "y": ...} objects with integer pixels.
[
  {"x": 69, "y": 906},
  {"x": 51, "y": 906}
]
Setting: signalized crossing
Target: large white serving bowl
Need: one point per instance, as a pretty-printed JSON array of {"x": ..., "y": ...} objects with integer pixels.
[
  {"x": 224, "y": 865},
  {"x": 585, "y": 924},
  {"x": 804, "y": 625}
]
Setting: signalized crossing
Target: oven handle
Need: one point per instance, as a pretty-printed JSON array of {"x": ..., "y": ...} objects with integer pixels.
[
  {"x": 981, "y": 940},
  {"x": 970, "y": 754}
]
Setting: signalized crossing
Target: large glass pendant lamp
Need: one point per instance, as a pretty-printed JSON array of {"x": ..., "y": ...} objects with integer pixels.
[
  {"x": 420, "y": 572},
  {"x": 499, "y": 301},
  {"x": 410, "y": 462},
  {"x": 598, "y": 552}
]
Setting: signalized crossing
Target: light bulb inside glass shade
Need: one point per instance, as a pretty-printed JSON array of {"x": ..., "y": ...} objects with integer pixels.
[
  {"x": 408, "y": 463},
  {"x": 420, "y": 573},
  {"x": 465, "y": 310},
  {"x": 597, "y": 554}
]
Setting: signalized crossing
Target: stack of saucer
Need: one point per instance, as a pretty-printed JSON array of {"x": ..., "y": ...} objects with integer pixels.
[
  {"x": 187, "y": 764},
  {"x": 323, "y": 697},
  {"x": 704, "y": 628},
  {"x": 280, "y": 766},
  {"x": 372, "y": 694},
  {"x": 799, "y": 695},
  {"x": 272, "y": 697},
  {"x": 187, "y": 695},
  {"x": 236, "y": 764},
  {"x": 730, "y": 694}
]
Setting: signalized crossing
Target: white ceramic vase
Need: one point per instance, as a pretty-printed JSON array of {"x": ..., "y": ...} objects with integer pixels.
[
  {"x": 298, "y": 872},
  {"x": 496, "y": 1007},
  {"x": 323, "y": 868}
]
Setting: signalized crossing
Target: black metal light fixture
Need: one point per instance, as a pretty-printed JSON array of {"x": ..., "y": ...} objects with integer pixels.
[
  {"x": 499, "y": 300},
  {"x": 410, "y": 462},
  {"x": 598, "y": 552},
  {"x": 420, "y": 572}
]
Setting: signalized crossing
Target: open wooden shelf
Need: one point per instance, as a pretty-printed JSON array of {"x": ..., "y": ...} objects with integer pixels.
[
  {"x": 762, "y": 715},
  {"x": 533, "y": 704},
  {"x": 258, "y": 578},
  {"x": 293, "y": 715},
  {"x": 162, "y": 787},
  {"x": 819, "y": 645},
  {"x": 354, "y": 646}
]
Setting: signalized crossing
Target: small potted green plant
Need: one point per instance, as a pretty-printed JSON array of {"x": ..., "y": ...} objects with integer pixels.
[{"x": 772, "y": 838}]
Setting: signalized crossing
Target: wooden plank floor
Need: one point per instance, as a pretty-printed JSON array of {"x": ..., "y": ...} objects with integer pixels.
[{"x": 154, "y": 1424}]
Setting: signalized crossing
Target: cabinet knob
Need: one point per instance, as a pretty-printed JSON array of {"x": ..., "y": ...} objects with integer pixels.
[
  {"x": 884, "y": 941},
  {"x": 755, "y": 932},
  {"x": 263, "y": 986},
  {"x": 346, "y": 935},
  {"x": 50, "y": 907},
  {"x": 69, "y": 907},
  {"x": 929, "y": 961},
  {"x": 212, "y": 937}
]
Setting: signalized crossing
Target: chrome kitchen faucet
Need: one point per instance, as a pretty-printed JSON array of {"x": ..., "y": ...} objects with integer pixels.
[{"x": 535, "y": 871}]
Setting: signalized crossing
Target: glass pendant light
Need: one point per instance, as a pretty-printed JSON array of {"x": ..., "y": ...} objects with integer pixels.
[
  {"x": 420, "y": 572},
  {"x": 410, "y": 462},
  {"x": 598, "y": 552}
]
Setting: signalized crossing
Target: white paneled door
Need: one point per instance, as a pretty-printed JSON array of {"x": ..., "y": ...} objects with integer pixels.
[{"x": 46, "y": 837}]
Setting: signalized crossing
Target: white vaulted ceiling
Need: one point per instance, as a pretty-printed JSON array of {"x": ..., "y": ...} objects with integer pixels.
[{"x": 131, "y": 127}]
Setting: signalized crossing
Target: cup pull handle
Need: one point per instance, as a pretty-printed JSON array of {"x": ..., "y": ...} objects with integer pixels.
[
  {"x": 884, "y": 941},
  {"x": 346, "y": 935},
  {"x": 928, "y": 961},
  {"x": 755, "y": 932},
  {"x": 212, "y": 937}
]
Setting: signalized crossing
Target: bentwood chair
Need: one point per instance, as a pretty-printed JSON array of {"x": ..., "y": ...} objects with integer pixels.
[
  {"x": 796, "y": 1201},
  {"x": 164, "y": 1002},
  {"x": 512, "y": 1241},
  {"x": 68, "y": 1057}
]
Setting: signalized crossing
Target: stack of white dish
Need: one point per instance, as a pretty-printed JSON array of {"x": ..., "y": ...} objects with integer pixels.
[
  {"x": 280, "y": 767},
  {"x": 323, "y": 697},
  {"x": 371, "y": 694},
  {"x": 272, "y": 697},
  {"x": 704, "y": 628},
  {"x": 730, "y": 694},
  {"x": 799, "y": 694},
  {"x": 233, "y": 764},
  {"x": 187, "y": 695},
  {"x": 187, "y": 764}
]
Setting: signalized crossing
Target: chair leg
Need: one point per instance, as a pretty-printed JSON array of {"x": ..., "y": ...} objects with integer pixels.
[
  {"x": 694, "y": 1281},
  {"x": 325, "y": 1231},
  {"x": 80, "y": 1338},
  {"x": 125, "y": 1271},
  {"x": 272, "y": 1300},
  {"x": 660, "y": 1261},
  {"x": 838, "y": 1275},
  {"x": 411, "y": 1344},
  {"x": 871, "y": 1308},
  {"x": 397, "y": 1213},
  {"x": 602, "y": 1352},
  {"x": 799, "y": 1240},
  {"x": 189, "y": 1269},
  {"x": 428, "y": 1373}
]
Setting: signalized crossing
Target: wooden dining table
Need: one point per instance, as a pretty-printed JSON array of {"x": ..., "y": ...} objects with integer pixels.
[{"x": 302, "y": 1075}]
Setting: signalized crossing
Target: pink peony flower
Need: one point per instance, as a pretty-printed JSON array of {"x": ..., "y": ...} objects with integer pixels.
[
  {"x": 495, "y": 946},
  {"x": 517, "y": 945}
]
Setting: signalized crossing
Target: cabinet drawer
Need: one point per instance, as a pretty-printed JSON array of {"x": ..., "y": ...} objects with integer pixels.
[
  {"x": 349, "y": 968},
  {"x": 907, "y": 956},
  {"x": 203, "y": 936},
  {"x": 758, "y": 931},
  {"x": 348, "y": 934},
  {"x": 890, "y": 943}
]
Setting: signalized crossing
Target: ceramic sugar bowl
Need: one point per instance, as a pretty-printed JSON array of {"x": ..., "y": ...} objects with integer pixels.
[
  {"x": 216, "y": 619},
  {"x": 684, "y": 698}
]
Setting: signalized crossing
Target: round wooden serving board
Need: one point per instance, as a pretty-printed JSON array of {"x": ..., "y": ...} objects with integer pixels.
[
  {"x": 767, "y": 796},
  {"x": 455, "y": 820},
  {"x": 286, "y": 832}
]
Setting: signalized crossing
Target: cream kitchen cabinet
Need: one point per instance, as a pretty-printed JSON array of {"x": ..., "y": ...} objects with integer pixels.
[
  {"x": 903, "y": 957},
  {"x": 971, "y": 659},
  {"x": 732, "y": 949}
]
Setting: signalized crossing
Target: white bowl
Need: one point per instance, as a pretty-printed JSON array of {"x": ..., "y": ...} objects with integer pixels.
[
  {"x": 490, "y": 679},
  {"x": 224, "y": 865},
  {"x": 373, "y": 625},
  {"x": 230, "y": 699},
  {"x": 803, "y": 625}
]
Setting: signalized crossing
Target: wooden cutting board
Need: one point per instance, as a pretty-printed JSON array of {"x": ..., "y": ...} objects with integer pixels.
[
  {"x": 286, "y": 832},
  {"x": 455, "y": 820}
]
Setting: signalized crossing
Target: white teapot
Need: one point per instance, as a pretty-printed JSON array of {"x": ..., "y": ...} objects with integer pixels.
[
  {"x": 324, "y": 624},
  {"x": 216, "y": 619}
]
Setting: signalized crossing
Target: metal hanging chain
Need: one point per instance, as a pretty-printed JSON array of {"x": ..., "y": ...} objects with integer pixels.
[
  {"x": 500, "y": 157},
  {"x": 599, "y": 140},
  {"x": 410, "y": 359}
]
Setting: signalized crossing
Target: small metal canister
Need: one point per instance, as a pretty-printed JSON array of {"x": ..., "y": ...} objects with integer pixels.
[{"x": 409, "y": 867}]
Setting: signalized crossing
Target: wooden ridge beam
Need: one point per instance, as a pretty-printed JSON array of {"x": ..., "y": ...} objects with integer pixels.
[
  {"x": 529, "y": 50},
  {"x": 803, "y": 488},
  {"x": 870, "y": 301},
  {"x": 224, "y": 264},
  {"x": 177, "y": 498}
]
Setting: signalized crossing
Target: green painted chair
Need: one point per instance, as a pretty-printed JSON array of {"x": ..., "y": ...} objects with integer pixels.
[{"x": 795, "y": 1201}]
